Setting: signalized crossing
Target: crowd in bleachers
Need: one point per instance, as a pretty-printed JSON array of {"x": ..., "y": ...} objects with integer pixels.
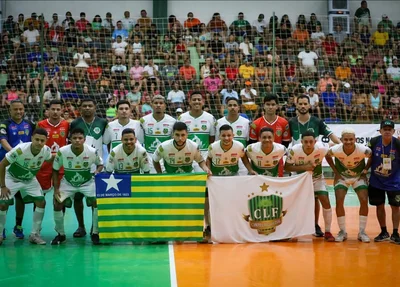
[{"x": 349, "y": 77}]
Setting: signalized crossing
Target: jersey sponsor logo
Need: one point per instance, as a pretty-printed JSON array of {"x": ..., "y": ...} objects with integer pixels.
[
  {"x": 70, "y": 158},
  {"x": 196, "y": 129},
  {"x": 21, "y": 132}
]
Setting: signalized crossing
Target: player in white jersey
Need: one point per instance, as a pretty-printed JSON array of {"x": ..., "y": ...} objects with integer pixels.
[
  {"x": 179, "y": 153},
  {"x": 201, "y": 125},
  {"x": 265, "y": 154},
  {"x": 77, "y": 160},
  {"x": 18, "y": 173},
  {"x": 113, "y": 132},
  {"x": 349, "y": 168},
  {"x": 239, "y": 124},
  {"x": 128, "y": 157},
  {"x": 157, "y": 127},
  {"x": 308, "y": 156}
]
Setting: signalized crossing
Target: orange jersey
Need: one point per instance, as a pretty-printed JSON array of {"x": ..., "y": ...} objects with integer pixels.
[
  {"x": 280, "y": 127},
  {"x": 57, "y": 135}
]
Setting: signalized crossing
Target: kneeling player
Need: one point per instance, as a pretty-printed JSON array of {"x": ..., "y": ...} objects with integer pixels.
[
  {"x": 77, "y": 159},
  {"x": 23, "y": 162},
  {"x": 349, "y": 169},
  {"x": 308, "y": 156}
]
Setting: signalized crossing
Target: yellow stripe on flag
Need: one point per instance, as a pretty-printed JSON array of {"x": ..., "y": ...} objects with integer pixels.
[
  {"x": 166, "y": 178},
  {"x": 156, "y": 235},
  {"x": 151, "y": 223},
  {"x": 115, "y": 212},
  {"x": 152, "y": 200},
  {"x": 164, "y": 188}
]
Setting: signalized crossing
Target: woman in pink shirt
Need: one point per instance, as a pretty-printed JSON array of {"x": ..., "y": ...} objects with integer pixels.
[
  {"x": 121, "y": 92},
  {"x": 11, "y": 95},
  {"x": 135, "y": 74},
  {"x": 212, "y": 85},
  {"x": 323, "y": 82}
]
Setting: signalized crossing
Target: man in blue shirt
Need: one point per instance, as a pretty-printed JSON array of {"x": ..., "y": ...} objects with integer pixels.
[
  {"x": 14, "y": 131},
  {"x": 385, "y": 179},
  {"x": 119, "y": 31}
]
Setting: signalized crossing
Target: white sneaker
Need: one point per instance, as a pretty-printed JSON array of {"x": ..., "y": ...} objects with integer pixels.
[
  {"x": 363, "y": 237},
  {"x": 36, "y": 239},
  {"x": 342, "y": 236}
]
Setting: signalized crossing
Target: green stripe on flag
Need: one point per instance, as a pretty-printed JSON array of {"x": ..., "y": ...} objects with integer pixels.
[{"x": 151, "y": 239}]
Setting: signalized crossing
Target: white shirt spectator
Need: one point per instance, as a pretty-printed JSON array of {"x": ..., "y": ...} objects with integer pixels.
[
  {"x": 389, "y": 60},
  {"x": 150, "y": 70},
  {"x": 226, "y": 94},
  {"x": 260, "y": 26},
  {"x": 49, "y": 96},
  {"x": 137, "y": 48},
  {"x": 107, "y": 24},
  {"x": 118, "y": 69},
  {"x": 307, "y": 59},
  {"x": 313, "y": 99},
  {"x": 128, "y": 23},
  {"x": 119, "y": 47},
  {"x": 81, "y": 60},
  {"x": 247, "y": 95},
  {"x": 176, "y": 96},
  {"x": 246, "y": 48},
  {"x": 394, "y": 72},
  {"x": 31, "y": 35}
]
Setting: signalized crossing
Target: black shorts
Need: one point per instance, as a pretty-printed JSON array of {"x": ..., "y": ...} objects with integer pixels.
[{"x": 377, "y": 196}]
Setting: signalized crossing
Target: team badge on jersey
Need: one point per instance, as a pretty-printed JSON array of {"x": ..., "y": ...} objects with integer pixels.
[
  {"x": 204, "y": 127},
  {"x": 97, "y": 130},
  {"x": 165, "y": 131},
  {"x": 239, "y": 132}
]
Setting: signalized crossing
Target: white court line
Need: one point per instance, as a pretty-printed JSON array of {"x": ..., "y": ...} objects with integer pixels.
[{"x": 172, "y": 269}]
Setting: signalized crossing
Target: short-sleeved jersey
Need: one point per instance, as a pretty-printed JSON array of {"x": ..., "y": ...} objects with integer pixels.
[
  {"x": 241, "y": 128},
  {"x": 352, "y": 165},
  {"x": 15, "y": 133},
  {"x": 225, "y": 163},
  {"x": 314, "y": 124},
  {"x": 94, "y": 132},
  {"x": 121, "y": 162},
  {"x": 77, "y": 168},
  {"x": 383, "y": 178},
  {"x": 178, "y": 161},
  {"x": 113, "y": 132},
  {"x": 280, "y": 127},
  {"x": 200, "y": 128},
  {"x": 156, "y": 132},
  {"x": 297, "y": 156},
  {"x": 262, "y": 163},
  {"x": 57, "y": 135},
  {"x": 23, "y": 164}
]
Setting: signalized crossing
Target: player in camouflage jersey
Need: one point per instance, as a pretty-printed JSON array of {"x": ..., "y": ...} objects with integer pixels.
[
  {"x": 349, "y": 169},
  {"x": 179, "y": 153},
  {"x": 157, "y": 127},
  {"x": 18, "y": 173},
  {"x": 304, "y": 122},
  {"x": 94, "y": 128},
  {"x": 266, "y": 154},
  {"x": 308, "y": 156},
  {"x": 201, "y": 125},
  {"x": 77, "y": 160}
]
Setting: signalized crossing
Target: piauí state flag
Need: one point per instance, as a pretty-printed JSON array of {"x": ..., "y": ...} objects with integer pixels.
[{"x": 150, "y": 207}]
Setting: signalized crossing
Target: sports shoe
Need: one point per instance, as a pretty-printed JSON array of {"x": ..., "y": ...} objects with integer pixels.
[
  {"x": 396, "y": 241},
  {"x": 4, "y": 234},
  {"x": 58, "y": 239},
  {"x": 318, "y": 231},
  {"x": 329, "y": 237},
  {"x": 363, "y": 237},
  {"x": 394, "y": 237},
  {"x": 95, "y": 239},
  {"x": 36, "y": 239},
  {"x": 19, "y": 232},
  {"x": 80, "y": 232},
  {"x": 342, "y": 236},
  {"x": 383, "y": 236}
]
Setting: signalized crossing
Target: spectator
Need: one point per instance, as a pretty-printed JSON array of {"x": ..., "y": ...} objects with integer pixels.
[
  {"x": 120, "y": 93},
  {"x": 380, "y": 38},
  {"x": 261, "y": 76},
  {"x": 146, "y": 107},
  {"x": 11, "y": 27},
  {"x": 313, "y": 23},
  {"x": 393, "y": 72},
  {"x": 119, "y": 31},
  {"x": 387, "y": 24},
  {"x": 108, "y": 23},
  {"x": 111, "y": 112},
  {"x": 32, "y": 21},
  {"x": 134, "y": 98},
  {"x": 82, "y": 61},
  {"x": 180, "y": 50},
  {"x": 345, "y": 100},
  {"x": 217, "y": 25},
  {"x": 329, "y": 99},
  {"x": 216, "y": 48},
  {"x": 136, "y": 32},
  {"x": 174, "y": 33},
  {"x": 325, "y": 81},
  {"x": 308, "y": 60},
  {"x": 51, "y": 74},
  {"x": 314, "y": 102},
  {"x": 353, "y": 57},
  {"x": 301, "y": 35},
  {"x": 362, "y": 16},
  {"x": 360, "y": 104},
  {"x": 318, "y": 37},
  {"x": 395, "y": 105},
  {"x": 151, "y": 74},
  {"x": 246, "y": 48},
  {"x": 173, "y": 23},
  {"x": 206, "y": 69},
  {"x": 152, "y": 40},
  {"x": 232, "y": 49},
  {"x": 170, "y": 72},
  {"x": 228, "y": 92},
  {"x": 97, "y": 23},
  {"x": 36, "y": 55},
  {"x": 52, "y": 93},
  {"x": 339, "y": 35},
  {"x": 203, "y": 40},
  {"x": 290, "y": 73},
  {"x": 261, "y": 50},
  {"x": 377, "y": 71},
  {"x": 359, "y": 72},
  {"x": 82, "y": 22},
  {"x": 119, "y": 49},
  {"x": 283, "y": 33},
  {"x": 135, "y": 74},
  {"x": 332, "y": 118},
  {"x": 289, "y": 109},
  {"x": 144, "y": 21},
  {"x": 31, "y": 36},
  {"x": 273, "y": 24},
  {"x": 350, "y": 44},
  {"x": 285, "y": 20},
  {"x": 330, "y": 49},
  {"x": 20, "y": 24},
  {"x": 240, "y": 27},
  {"x": 365, "y": 36},
  {"x": 191, "y": 23},
  {"x": 127, "y": 22},
  {"x": 212, "y": 86},
  {"x": 94, "y": 73},
  {"x": 343, "y": 72},
  {"x": 9, "y": 96},
  {"x": 248, "y": 96},
  {"x": 260, "y": 26},
  {"x": 388, "y": 58},
  {"x": 232, "y": 74},
  {"x": 374, "y": 56},
  {"x": 136, "y": 51},
  {"x": 69, "y": 89},
  {"x": 176, "y": 97},
  {"x": 56, "y": 37},
  {"x": 68, "y": 19},
  {"x": 375, "y": 108},
  {"x": 187, "y": 75},
  {"x": 118, "y": 72},
  {"x": 187, "y": 38},
  {"x": 246, "y": 71},
  {"x": 71, "y": 36}
]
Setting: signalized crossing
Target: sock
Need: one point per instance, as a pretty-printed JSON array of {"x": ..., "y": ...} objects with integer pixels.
[
  {"x": 395, "y": 231},
  {"x": 95, "y": 221},
  {"x": 363, "y": 222},
  {"x": 3, "y": 215},
  {"x": 59, "y": 221},
  {"x": 18, "y": 221},
  {"x": 38, "y": 215},
  {"x": 342, "y": 223},
  {"x": 384, "y": 229},
  {"x": 327, "y": 214}
]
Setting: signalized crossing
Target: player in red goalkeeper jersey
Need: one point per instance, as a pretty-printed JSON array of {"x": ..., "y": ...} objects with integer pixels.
[
  {"x": 57, "y": 129},
  {"x": 279, "y": 125}
]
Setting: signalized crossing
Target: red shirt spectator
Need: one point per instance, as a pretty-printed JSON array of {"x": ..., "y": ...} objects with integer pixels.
[
  {"x": 232, "y": 73},
  {"x": 187, "y": 72},
  {"x": 81, "y": 23},
  {"x": 330, "y": 47},
  {"x": 94, "y": 72}
]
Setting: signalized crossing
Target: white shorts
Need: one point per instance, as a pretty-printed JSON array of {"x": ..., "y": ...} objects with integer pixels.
[
  {"x": 68, "y": 191},
  {"x": 319, "y": 187},
  {"x": 356, "y": 183},
  {"x": 30, "y": 190}
]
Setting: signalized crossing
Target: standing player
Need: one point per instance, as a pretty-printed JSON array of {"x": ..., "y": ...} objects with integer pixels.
[
  {"x": 179, "y": 153},
  {"x": 17, "y": 174},
  {"x": 93, "y": 128},
  {"x": 157, "y": 128},
  {"x": 308, "y": 156},
  {"x": 385, "y": 179},
  {"x": 279, "y": 125},
  {"x": 224, "y": 155},
  {"x": 77, "y": 159},
  {"x": 265, "y": 154},
  {"x": 113, "y": 132},
  {"x": 349, "y": 168},
  {"x": 240, "y": 126},
  {"x": 306, "y": 122},
  {"x": 14, "y": 131},
  {"x": 57, "y": 130},
  {"x": 128, "y": 157},
  {"x": 201, "y": 125}
]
